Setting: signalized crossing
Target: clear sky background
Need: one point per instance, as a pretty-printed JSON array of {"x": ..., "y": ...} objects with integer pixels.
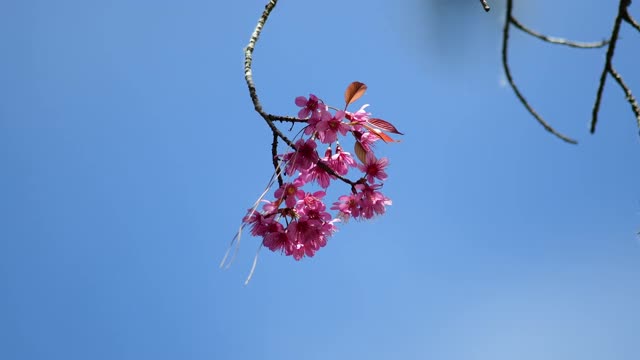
[{"x": 129, "y": 152}]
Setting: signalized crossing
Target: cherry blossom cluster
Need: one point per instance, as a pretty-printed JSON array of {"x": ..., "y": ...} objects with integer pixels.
[{"x": 296, "y": 222}]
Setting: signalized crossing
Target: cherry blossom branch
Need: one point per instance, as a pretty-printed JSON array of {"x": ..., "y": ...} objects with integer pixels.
[
  {"x": 274, "y": 159},
  {"x": 297, "y": 222},
  {"x": 608, "y": 66},
  {"x": 270, "y": 118},
  {"x": 516, "y": 90},
  {"x": 556, "y": 40},
  {"x": 248, "y": 75},
  {"x": 289, "y": 119}
]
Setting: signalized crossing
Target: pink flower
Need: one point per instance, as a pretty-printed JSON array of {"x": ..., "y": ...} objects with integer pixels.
[
  {"x": 374, "y": 168},
  {"x": 348, "y": 205},
  {"x": 341, "y": 161},
  {"x": 311, "y": 201},
  {"x": 318, "y": 173},
  {"x": 301, "y": 159},
  {"x": 359, "y": 117},
  {"x": 296, "y": 250},
  {"x": 258, "y": 222},
  {"x": 290, "y": 192},
  {"x": 302, "y": 230},
  {"x": 328, "y": 128},
  {"x": 372, "y": 202},
  {"x": 317, "y": 117},
  {"x": 307, "y": 236},
  {"x": 367, "y": 139},
  {"x": 297, "y": 223},
  {"x": 275, "y": 238},
  {"x": 308, "y": 106},
  {"x": 270, "y": 207}
]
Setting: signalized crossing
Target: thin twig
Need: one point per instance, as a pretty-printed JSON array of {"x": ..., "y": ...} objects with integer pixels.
[
  {"x": 627, "y": 92},
  {"x": 274, "y": 158},
  {"x": 505, "y": 63},
  {"x": 289, "y": 119},
  {"x": 629, "y": 19},
  {"x": 622, "y": 9},
  {"x": 485, "y": 5},
  {"x": 556, "y": 40}
]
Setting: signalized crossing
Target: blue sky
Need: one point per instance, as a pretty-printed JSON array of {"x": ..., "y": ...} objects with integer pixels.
[{"x": 130, "y": 152}]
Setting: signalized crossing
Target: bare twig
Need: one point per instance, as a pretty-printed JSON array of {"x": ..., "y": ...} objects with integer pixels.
[
  {"x": 629, "y": 19},
  {"x": 289, "y": 119},
  {"x": 622, "y": 9},
  {"x": 556, "y": 40},
  {"x": 608, "y": 69},
  {"x": 274, "y": 158},
  {"x": 627, "y": 92},
  {"x": 485, "y": 5},
  {"x": 507, "y": 70}
]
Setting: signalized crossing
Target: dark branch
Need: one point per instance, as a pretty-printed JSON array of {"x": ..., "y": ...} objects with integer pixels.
[
  {"x": 630, "y": 20},
  {"x": 485, "y": 5},
  {"x": 622, "y": 9},
  {"x": 274, "y": 158},
  {"x": 507, "y": 70},
  {"x": 556, "y": 40},
  {"x": 290, "y": 119}
]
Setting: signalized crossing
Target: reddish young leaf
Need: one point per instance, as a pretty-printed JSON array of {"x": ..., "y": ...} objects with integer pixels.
[
  {"x": 354, "y": 91},
  {"x": 384, "y": 125},
  {"x": 386, "y": 138},
  {"x": 361, "y": 153}
]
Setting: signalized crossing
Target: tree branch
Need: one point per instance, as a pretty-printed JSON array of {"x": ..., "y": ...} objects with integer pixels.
[
  {"x": 270, "y": 118},
  {"x": 248, "y": 75},
  {"x": 507, "y": 70},
  {"x": 628, "y": 94},
  {"x": 274, "y": 159},
  {"x": 485, "y": 5},
  {"x": 622, "y": 9},
  {"x": 630, "y": 20},
  {"x": 555, "y": 40}
]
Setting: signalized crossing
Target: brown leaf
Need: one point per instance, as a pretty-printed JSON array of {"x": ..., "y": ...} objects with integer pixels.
[
  {"x": 361, "y": 153},
  {"x": 354, "y": 91},
  {"x": 384, "y": 125}
]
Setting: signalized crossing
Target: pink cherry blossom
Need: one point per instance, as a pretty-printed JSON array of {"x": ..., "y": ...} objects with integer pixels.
[
  {"x": 309, "y": 106},
  {"x": 291, "y": 192},
  {"x": 359, "y": 117},
  {"x": 257, "y": 222},
  {"x": 311, "y": 201},
  {"x": 275, "y": 238},
  {"x": 328, "y": 128},
  {"x": 301, "y": 159},
  {"x": 366, "y": 140},
  {"x": 316, "y": 118},
  {"x": 374, "y": 168},
  {"x": 348, "y": 205},
  {"x": 297, "y": 222},
  {"x": 318, "y": 173},
  {"x": 372, "y": 202},
  {"x": 341, "y": 161}
]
